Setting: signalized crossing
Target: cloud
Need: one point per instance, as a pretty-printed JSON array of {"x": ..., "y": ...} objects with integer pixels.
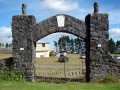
[
  {"x": 5, "y": 35},
  {"x": 115, "y": 33},
  {"x": 59, "y": 5},
  {"x": 114, "y": 16}
]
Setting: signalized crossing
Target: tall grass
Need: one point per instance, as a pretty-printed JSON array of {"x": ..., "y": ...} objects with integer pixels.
[
  {"x": 111, "y": 79},
  {"x": 12, "y": 75}
]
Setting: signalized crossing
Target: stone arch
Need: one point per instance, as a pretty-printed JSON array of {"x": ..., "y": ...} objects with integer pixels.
[
  {"x": 46, "y": 27},
  {"x": 72, "y": 25},
  {"x": 99, "y": 64}
]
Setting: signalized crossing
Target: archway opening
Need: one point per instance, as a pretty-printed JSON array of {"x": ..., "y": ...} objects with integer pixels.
[{"x": 51, "y": 65}]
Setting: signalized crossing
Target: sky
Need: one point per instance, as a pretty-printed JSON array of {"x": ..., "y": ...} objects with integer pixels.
[{"x": 43, "y": 9}]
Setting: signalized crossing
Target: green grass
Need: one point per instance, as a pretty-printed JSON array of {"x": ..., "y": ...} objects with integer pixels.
[
  {"x": 52, "y": 62},
  {"x": 74, "y": 59},
  {"x": 2, "y": 56},
  {"x": 51, "y": 86},
  {"x": 63, "y": 86}
]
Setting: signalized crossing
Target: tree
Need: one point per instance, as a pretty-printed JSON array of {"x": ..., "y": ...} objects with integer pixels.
[
  {"x": 55, "y": 43},
  {"x": 118, "y": 47},
  {"x": 1, "y": 44},
  {"x": 51, "y": 54},
  {"x": 118, "y": 43},
  {"x": 7, "y": 45},
  {"x": 112, "y": 46},
  {"x": 10, "y": 45},
  {"x": 72, "y": 45}
]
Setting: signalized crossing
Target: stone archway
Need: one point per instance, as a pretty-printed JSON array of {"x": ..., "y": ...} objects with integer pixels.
[
  {"x": 26, "y": 32},
  {"x": 29, "y": 32},
  {"x": 50, "y": 25}
]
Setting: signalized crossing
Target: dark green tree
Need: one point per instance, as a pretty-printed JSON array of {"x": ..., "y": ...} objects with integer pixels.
[
  {"x": 78, "y": 44},
  {"x": 112, "y": 46},
  {"x": 7, "y": 45},
  {"x": 1, "y": 44},
  {"x": 70, "y": 45},
  {"x": 118, "y": 43},
  {"x": 55, "y": 43},
  {"x": 72, "y": 48},
  {"x": 10, "y": 45}
]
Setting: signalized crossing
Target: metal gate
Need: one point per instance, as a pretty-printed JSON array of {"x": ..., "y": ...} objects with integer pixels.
[{"x": 60, "y": 72}]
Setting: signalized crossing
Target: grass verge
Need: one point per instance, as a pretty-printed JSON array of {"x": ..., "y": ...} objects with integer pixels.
[{"x": 63, "y": 86}]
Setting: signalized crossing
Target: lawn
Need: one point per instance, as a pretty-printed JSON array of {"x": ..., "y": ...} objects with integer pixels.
[
  {"x": 74, "y": 59},
  {"x": 62, "y": 86},
  {"x": 51, "y": 67},
  {"x": 51, "y": 64},
  {"x": 2, "y": 56},
  {"x": 4, "y": 85}
]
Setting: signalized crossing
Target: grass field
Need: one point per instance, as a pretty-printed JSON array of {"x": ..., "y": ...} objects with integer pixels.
[
  {"x": 51, "y": 64},
  {"x": 73, "y": 59},
  {"x": 62, "y": 86},
  {"x": 50, "y": 67},
  {"x": 2, "y": 56},
  {"x": 51, "y": 86}
]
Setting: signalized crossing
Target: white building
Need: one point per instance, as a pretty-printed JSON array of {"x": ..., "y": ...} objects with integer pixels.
[{"x": 42, "y": 49}]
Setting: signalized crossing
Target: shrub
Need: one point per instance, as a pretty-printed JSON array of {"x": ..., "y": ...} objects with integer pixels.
[
  {"x": 12, "y": 75},
  {"x": 51, "y": 54},
  {"x": 110, "y": 79}
]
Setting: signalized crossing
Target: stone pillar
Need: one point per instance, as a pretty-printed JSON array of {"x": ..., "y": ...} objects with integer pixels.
[
  {"x": 23, "y": 47},
  {"x": 97, "y": 37}
]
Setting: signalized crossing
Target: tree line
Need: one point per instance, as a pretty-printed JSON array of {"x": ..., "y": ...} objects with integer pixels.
[
  {"x": 77, "y": 45},
  {"x": 5, "y": 45},
  {"x": 71, "y": 45}
]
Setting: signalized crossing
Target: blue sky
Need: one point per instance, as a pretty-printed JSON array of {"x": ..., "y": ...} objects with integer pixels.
[{"x": 43, "y": 9}]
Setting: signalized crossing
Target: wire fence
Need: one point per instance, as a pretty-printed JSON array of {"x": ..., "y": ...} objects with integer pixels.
[
  {"x": 52, "y": 72},
  {"x": 6, "y": 50}
]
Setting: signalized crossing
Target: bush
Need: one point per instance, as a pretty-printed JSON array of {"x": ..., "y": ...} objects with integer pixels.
[
  {"x": 110, "y": 79},
  {"x": 51, "y": 54},
  {"x": 12, "y": 75}
]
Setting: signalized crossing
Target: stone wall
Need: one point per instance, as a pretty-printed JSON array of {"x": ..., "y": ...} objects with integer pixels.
[
  {"x": 6, "y": 63},
  {"x": 101, "y": 63},
  {"x": 23, "y": 47}
]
